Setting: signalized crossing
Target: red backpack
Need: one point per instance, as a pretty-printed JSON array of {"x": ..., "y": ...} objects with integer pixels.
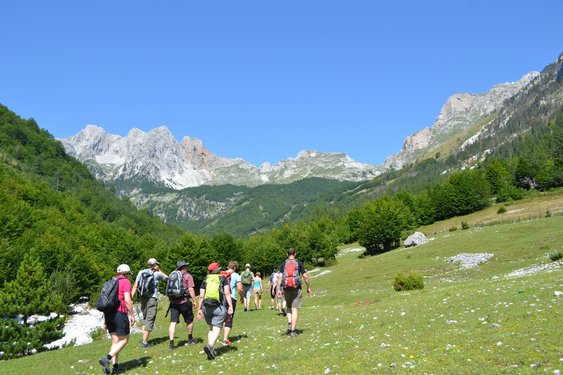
[{"x": 291, "y": 274}]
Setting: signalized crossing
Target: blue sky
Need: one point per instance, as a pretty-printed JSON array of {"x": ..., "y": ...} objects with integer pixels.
[{"x": 262, "y": 80}]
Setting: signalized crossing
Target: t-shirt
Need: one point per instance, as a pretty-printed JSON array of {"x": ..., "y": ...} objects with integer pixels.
[
  {"x": 224, "y": 282},
  {"x": 300, "y": 266},
  {"x": 235, "y": 278},
  {"x": 158, "y": 276},
  {"x": 124, "y": 286}
]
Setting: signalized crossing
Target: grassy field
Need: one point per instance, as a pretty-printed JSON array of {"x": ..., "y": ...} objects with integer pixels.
[{"x": 465, "y": 321}]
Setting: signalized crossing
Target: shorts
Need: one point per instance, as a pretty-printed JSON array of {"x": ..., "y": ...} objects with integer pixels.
[
  {"x": 247, "y": 291},
  {"x": 293, "y": 297},
  {"x": 257, "y": 292},
  {"x": 118, "y": 323},
  {"x": 230, "y": 317},
  {"x": 184, "y": 309},
  {"x": 149, "y": 308},
  {"x": 215, "y": 316},
  {"x": 273, "y": 293}
]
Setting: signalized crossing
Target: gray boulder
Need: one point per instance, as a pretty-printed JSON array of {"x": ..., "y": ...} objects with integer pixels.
[{"x": 417, "y": 238}]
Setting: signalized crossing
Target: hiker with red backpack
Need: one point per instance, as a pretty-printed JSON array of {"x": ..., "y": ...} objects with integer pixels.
[
  {"x": 214, "y": 304},
  {"x": 292, "y": 270},
  {"x": 146, "y": 288},
  {"x": 118, "y": 319}
]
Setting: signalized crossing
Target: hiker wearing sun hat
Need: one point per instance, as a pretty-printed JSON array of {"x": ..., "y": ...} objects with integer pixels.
[
  {"x": 118, "y": 322},
  {"x": 146, "y": 288},
  {"x": 181, "y": 305},
  {"x": 214, "y": 304}
]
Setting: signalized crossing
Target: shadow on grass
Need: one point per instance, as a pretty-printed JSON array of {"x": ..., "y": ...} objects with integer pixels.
[
  {"x": 134, "y": 363},
  {"x": 238, "y": 337},
  {"x": 299, "y": 332},
  {"x": 158, "y": 340},
  {"x": 225, "y": 349}
]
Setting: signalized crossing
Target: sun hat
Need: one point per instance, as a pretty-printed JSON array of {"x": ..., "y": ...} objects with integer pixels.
[
  {"x": 213, "y": 266},
  {"x": 152, "y": 261},
  {"x": 181, "y": 264},
  {"x": 122, "y": 268}
]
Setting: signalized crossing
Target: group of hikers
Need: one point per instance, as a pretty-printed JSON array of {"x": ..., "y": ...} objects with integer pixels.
[{"x": 216, "y": 303}]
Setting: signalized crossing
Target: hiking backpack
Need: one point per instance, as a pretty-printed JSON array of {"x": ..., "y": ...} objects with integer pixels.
[
  {"x": 212, "y": 296},
  {"x": 291, "y": 276},
  {"x": 174, "y": 286},
  {"x": 147, "y": 284},
  {"x": 246, "y": 278},
  {"x": 108, "y": 300}
]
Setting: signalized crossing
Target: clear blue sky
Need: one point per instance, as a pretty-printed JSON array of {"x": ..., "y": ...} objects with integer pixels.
[{"x": 262, "y": 80}]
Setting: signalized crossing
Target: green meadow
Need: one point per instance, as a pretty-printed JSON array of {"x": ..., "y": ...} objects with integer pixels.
[{"x": 488, "y": 319}]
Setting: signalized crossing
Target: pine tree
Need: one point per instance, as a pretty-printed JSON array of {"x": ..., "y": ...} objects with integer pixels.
[{"x": 27, "y": 295}]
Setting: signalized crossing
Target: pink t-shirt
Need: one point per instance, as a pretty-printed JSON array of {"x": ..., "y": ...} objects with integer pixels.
[{"x": 124, "y": 286}]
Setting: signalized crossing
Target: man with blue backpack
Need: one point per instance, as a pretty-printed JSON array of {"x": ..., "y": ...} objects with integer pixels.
[
  {"x": 180, "y": 291},
  {"x": 292, "y": 271},
  {"x": 146, "y": 287}
]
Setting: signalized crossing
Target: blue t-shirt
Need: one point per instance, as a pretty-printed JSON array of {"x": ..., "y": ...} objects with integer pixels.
[{"x": 235, "y": 278}]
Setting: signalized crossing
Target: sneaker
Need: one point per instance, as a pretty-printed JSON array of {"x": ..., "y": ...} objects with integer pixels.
[
  {"x": 145, "y": 345},
  {"x": 209, "y": 351},
  {"x": 171, "y": 346},
  {"x": 117, "y": 370},
  {"x": 293, "y": 334},
  {"x": 192, "y": 341},
  {"x": 227, "y": 342},
  {"x": 105, "y": 364},
  {"x": 283, "y": 312}
]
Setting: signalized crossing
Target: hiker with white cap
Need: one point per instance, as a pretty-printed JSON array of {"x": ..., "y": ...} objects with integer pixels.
[
  {"x": 118, "y": 321},
  {"x": 246, "y": 278},
  {"x": 146, "y": 288}
]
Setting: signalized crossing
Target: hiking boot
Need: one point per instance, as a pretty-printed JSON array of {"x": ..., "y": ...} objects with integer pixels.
[
  {"x": 227, "y": 342},
  {"x": 209, "y": 351},
  {"x": 283, "y": 312},
  {"x": 117, "y": 370},
  {"x": 192, "y": 341},
  {"x": 293, "y": 334},
  {"x": 145, "y": 345},
  {"x": 171, "y": 346},
  {"x": 105, "y": 362}
]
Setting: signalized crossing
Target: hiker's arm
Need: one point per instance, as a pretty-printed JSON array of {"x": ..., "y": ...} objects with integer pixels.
[
  {"x": 199, "y": 303},
  {"x": 134, "y": 289},
  {"x": 157, "y": 269},
  {"x": 306, "y": 278},
  {"x": 192, "y": 295},
  {"x": 129, "y": 303},
  {"x": 227, "y": 293},
  {"x": 240, "y": 290}
]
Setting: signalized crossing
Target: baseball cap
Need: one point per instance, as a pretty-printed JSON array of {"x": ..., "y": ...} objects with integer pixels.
[
  {"x": 213, "y": 266},
  {"x": 152, "y": 261},
  {"x": 247, "y": 265},
  {"x": 123, "y": 268}
]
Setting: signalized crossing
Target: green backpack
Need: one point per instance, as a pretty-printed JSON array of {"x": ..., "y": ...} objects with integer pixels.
[
  {"x": 212, "y": 296},
  {"x": 246, "y": 277}
]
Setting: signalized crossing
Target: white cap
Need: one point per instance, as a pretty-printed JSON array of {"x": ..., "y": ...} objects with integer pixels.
[
  {"x": 247, "y": 265},
  {"x": 152, "y": 261},
  {"x": 123, "y": 268}
]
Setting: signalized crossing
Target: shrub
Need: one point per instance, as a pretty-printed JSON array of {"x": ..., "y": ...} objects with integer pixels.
[
  {"x": 548, "y": 213},
  {"x": 501, "y": 210},
  {"x": 413, "y": 280},
  {"x": 464, "y": 225},
  {"x": 453, "y": 229},
  {"x": 555, "y": 256}
]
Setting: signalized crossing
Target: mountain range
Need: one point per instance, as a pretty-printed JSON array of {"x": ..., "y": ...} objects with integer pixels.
[{"x": 185, "y": 183}]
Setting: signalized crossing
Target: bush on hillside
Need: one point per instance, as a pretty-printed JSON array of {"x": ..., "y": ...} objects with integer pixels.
[
  {"x": 501, "y": 210},
  {"x": 412, "y": 281}
]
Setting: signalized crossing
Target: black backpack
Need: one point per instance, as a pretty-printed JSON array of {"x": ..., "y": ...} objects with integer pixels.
[
  {"x": 147, "y": 284},
  {"x": 109, "y": 297},
  {"x": 174, "y": 287}
]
